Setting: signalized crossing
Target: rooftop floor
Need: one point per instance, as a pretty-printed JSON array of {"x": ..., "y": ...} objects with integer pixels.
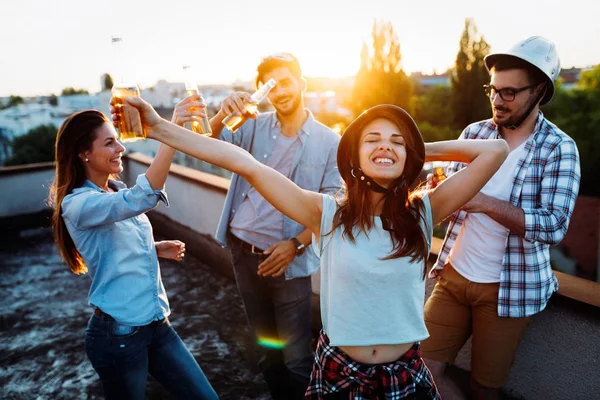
[{"x": 45, "y": 312}]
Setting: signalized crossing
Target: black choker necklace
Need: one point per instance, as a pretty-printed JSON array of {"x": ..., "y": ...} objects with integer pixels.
[{"x": 374, "y": 186}]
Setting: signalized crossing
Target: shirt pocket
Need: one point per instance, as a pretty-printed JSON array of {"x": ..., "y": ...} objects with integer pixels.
[{"x": 123, "y": 236}]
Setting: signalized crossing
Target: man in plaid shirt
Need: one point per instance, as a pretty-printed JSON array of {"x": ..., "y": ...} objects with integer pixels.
[{"x": 494, "y": 268}]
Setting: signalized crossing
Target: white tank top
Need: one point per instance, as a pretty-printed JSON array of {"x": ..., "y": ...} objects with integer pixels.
[
  {"x": 367, "y": 301},
  {"x": 481, "y": 243}
]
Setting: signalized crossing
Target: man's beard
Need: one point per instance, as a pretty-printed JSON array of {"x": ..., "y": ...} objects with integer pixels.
[
  {"x": 510, "y": 121},
  {"x": 295, "y": 103}
]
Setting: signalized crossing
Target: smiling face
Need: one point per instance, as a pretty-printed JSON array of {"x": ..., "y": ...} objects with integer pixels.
[
  {"x": 382, "y": 151},
  {"x": 104, "y": 156},
  {"x": 507, "y": 113},
  {"x": 286, "y": 96}
]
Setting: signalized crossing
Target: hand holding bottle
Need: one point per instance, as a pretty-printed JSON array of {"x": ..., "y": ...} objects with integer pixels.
[
  {"x": 191, "y": 109},
  {"x": 201, "y": 124},
  {"x": 148, "y": 115},
  {"x": 234, "y": 105},
  {"x": 240, "y": 106}
]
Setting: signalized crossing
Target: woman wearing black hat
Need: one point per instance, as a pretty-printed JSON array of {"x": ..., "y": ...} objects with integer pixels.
[{"x": 373, "y": 242}]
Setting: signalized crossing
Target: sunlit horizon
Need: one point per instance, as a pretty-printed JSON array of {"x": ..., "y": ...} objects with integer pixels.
[{"x": 48, "y": 47}]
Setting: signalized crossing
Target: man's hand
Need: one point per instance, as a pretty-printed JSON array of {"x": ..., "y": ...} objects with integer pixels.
[
  {"x": 192, "y": 108},
  {"x": 280, "y": 255},
  {"x": 171, "y": 249},
  {"x": 478, "y": 204},
  {"x": 234, "y": 105}
]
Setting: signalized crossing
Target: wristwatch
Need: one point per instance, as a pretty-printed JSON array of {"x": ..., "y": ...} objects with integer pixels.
[{"x": 300, "y": 248}]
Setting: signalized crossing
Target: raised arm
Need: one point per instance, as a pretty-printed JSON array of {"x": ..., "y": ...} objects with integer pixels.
[
  {"x": 90, "y": 209},
  {"x": 159, "y": 168},
  {"x": 548, "y": 222},
  {"x": 483, "y": 157},
  {"x": 301, "y": 205}
]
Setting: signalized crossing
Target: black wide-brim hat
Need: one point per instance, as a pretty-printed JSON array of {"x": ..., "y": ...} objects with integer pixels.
[{"x": 415, "y": 151}]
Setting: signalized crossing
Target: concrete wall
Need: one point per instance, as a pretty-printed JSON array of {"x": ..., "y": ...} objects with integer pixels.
[
  {"x": 196, "y": 198},
  {"x": 25, "y": 189}
]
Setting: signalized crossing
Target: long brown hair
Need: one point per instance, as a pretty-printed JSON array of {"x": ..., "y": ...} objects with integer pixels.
[
  {"x": 401, "y": 208},
  {"x": 74, "y": 136}
]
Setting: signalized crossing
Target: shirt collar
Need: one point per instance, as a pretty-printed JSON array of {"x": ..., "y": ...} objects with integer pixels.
[
  {"x": 304, "y": 129},
  {"x": 116, "y": 185},
  {"x": 537, "y": 128}
]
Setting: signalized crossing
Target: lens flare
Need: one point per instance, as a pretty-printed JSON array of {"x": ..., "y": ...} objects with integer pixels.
[{"x": 271, "y": 343}]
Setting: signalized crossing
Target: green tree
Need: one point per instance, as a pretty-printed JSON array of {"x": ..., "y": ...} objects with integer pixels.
[
  {"x": 468, "y": 76},
  {"x": 15, "y": 101},
  {"x": 53, "y": 100},
  {"x": 35, "y": 146},
  {"x": 72, "y": 91},
  {"x": 433, "y": 106},
  {"x": 380, "y": 78},
  {"x": 577, "y": 113},
  {"x": 590, "y": 79},
  {"x": 107, "y": 82},
  {"x": 435, "y": 133}
]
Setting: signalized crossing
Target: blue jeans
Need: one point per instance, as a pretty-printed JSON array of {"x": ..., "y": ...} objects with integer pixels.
[
  {"x": 280, "y": 310},
  {"x": 123, "y": 356}
]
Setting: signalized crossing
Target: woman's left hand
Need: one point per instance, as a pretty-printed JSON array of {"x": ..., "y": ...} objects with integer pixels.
[{"x": 172, "y": 249}]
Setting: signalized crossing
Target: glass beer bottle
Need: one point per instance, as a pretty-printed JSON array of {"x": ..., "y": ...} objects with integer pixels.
[
  {"x": 438, "y": 172},
  {"x": 203, "y": 126},
  {"x": 233, "y": 122},
  {"x": 129, "y": 123}
]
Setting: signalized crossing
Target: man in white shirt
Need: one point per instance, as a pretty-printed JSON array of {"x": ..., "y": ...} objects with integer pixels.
[{"x": 494, "y": 268}]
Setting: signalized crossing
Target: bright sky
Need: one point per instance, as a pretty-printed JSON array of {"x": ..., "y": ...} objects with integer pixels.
[{"x": 46, "y": 46}]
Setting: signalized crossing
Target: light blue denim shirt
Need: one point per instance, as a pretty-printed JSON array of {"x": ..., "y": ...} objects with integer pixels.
[
  {"x": 314, "y": 167},
  {"x": 114, "y": 237}
]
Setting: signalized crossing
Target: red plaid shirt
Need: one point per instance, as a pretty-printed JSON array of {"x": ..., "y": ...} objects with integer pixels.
[{"x": 333, "y": 371}]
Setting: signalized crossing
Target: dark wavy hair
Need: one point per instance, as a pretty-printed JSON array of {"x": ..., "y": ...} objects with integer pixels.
[
  {"x": 74, "y": 136},
  {"x": 402, "y": 209}
]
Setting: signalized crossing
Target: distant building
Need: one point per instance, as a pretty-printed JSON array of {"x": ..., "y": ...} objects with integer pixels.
[
  {"x": 4, "y": 101},
  {"x": 79, "y": 101},
  {"x": 431, "y": 80},
  {"x": 19, "y": 120},
  {"x": 325, "y": 102},
  {"x": 569, "y": 77}
]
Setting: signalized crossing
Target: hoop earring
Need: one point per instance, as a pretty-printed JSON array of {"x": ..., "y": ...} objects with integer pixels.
[{"x": 352, "y": 173}]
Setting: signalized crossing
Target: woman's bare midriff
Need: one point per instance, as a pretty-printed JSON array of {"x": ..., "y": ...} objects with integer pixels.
[{"x": 379, "y": 354}]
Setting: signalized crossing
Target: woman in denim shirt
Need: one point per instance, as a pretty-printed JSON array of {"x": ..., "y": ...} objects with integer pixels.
[{"x": 100, "y": 227}]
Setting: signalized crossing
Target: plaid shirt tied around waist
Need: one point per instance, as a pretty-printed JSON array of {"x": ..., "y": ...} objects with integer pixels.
[
  {"x": 334, "y": 371},
  {"x": 545, "y": 186}
]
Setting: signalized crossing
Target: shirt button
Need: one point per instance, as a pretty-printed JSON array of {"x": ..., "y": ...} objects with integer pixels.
[
  {"x": 153, "y": 275},
  {"x": 155, "y": 294},
  {"x": 233, "y": 210},
  {"x": 274, "y": 137},
  {"x": 265, "y": 156},
  {"x": 243, "y": 194}
]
